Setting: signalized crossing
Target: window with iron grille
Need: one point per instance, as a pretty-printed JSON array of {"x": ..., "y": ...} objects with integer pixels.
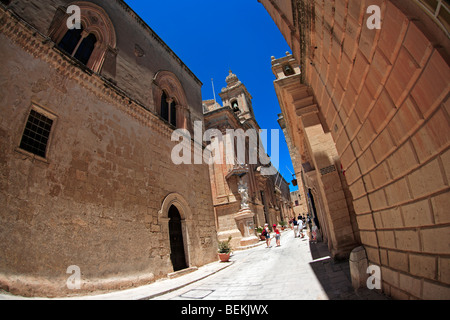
[{"x": 36, "y": 134}]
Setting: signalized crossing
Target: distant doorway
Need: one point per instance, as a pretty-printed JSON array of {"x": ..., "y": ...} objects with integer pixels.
[
  {"x": 313, "y": 208},
  {"x": 177, "y": 254}
]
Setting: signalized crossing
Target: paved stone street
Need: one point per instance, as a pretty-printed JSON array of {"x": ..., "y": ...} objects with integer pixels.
[{"x": 297, "y": 270}]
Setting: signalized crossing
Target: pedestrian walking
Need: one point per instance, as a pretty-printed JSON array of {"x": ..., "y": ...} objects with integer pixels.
[
  {"x": 277, "y": 235},
  {"x": 309, "y": 222},
  {"x": 314, "y": 233},
  {"x": 300, "y": 228},
  {"x": 266, "y": 233},
  {"x": 294, "y": 221}
]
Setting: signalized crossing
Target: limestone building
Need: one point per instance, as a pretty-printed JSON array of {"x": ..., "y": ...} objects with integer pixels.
[
  {"x": 299, "y": 204},
  {"x": 317, "y": 166},
  {"x": 86, "y": 177},
  {"x": 379, "y": 91},
  {"x": 244, "y": 197}
]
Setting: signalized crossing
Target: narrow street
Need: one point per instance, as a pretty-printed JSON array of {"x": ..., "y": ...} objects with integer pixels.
[{"x": 297, "y": 270}]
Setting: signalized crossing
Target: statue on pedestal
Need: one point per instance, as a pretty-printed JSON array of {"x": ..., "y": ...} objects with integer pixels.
[{"x": 243, "y": 191}]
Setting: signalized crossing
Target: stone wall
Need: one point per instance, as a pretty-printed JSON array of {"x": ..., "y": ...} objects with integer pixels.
[
  {"x": 141, "y": 52},
  {"x": 96, "y": 200},
  {"x": 384, "y": 95}
]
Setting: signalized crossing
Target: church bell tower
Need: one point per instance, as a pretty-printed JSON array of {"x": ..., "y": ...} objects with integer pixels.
[{"x": 236, "y": 96}]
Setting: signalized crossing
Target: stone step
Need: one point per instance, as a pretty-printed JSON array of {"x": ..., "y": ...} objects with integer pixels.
[{"x": 180, "y": 273}]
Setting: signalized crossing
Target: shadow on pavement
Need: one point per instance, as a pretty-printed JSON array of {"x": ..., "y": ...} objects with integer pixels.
[{"x": 334, "y": 276}]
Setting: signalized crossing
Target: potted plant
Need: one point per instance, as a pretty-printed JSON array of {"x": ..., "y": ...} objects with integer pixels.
[
  {"x": 283, "y": 225},
  {"x": 225, "y": 250}
]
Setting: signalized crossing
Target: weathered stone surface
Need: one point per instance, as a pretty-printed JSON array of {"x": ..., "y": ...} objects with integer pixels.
[
  {"x": 387, "y": 110},
  {"x": 96, "y": 200},
  {"x": 358, "y": 267},
  {"x": 267, "y": 198}
]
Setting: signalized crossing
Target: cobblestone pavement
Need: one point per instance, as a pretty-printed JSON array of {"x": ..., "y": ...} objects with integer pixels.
[{"x": 297, "y": 270}]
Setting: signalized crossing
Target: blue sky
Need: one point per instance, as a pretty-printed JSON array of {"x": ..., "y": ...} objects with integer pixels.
[{"x": 212, "y": 37}]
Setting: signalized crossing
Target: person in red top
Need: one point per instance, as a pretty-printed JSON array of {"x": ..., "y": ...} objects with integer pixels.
[{"x": 277, "y": 234}]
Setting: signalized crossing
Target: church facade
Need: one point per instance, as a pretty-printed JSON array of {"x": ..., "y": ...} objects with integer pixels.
[
  {"x": 247, "y": 193},
  {"x": 86, "y": 177}
]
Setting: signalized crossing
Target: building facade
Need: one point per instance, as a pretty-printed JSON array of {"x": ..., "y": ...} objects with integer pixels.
[
  {"x": 87, "y": 181},
  {"x": 244, "y": 197},
  {"x": 317, "y": 166},
  {"x": 378, "y": 78},
  {"x": 299, "y": 204}
]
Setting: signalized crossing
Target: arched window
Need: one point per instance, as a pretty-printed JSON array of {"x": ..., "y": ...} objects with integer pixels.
[
  {"x": 170, "y": 99},
  {"x": 86, "y": 48},
  {"x": 173, "y": 113},
  {"x": 71, "y": 40},
  {"x": 75, "y": 45},
  {"x": 164, "y": 106},
  {"x": 169, "y": 109},
  {"x": 94, "y": 43},
  {"x": 235, "y": 106},
  {"x": 288, "y": 71}
]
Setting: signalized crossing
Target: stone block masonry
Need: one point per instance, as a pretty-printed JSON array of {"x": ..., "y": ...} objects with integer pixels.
[{"x": 384, "y": 95}]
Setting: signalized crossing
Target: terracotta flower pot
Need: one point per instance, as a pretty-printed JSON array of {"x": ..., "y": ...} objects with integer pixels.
[{"x": 224, "y": 257}]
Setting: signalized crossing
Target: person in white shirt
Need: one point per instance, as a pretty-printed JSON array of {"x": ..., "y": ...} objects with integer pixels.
[
  {"x": 300, "y": 228},
  {"x": 295, "y": 223}
]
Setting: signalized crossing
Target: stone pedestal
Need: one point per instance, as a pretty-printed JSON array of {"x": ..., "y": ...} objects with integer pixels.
[{"x": 244, "y": 221}]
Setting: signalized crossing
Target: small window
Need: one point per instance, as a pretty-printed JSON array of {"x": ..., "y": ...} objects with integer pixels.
[{"x": 36, "y": 134}]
